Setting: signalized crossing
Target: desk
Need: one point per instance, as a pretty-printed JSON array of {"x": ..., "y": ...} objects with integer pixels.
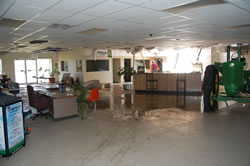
[{"x": 61, "y": 105}]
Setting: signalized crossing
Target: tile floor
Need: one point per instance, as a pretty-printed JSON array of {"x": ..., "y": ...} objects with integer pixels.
[{"x": 140, "y": 130}]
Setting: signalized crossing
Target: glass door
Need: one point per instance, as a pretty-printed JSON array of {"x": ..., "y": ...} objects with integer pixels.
[
  {"x": 31, "y": 71},
  {"x": 20, "y": 71},
  {"x": 26, "y": 71}
]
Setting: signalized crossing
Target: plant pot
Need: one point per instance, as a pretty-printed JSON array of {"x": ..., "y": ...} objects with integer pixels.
[{"x": 52, "y": 80}]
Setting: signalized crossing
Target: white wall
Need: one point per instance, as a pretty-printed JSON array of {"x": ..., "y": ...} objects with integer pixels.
[{"x": 71, "y": 57}]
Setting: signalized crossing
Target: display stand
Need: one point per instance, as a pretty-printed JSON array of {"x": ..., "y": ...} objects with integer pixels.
[{"x": 12, "y": 136}]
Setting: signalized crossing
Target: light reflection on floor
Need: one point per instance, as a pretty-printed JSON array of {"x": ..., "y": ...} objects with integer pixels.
[{"x": 128, "y": 102}]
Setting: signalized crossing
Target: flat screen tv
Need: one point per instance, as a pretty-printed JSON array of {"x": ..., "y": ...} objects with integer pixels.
[{"x": 97, "y": 65}]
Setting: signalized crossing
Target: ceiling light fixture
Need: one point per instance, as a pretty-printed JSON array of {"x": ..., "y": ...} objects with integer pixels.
[{"x": 30, "y": 34}]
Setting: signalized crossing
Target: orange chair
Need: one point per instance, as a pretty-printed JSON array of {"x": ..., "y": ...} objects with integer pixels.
[{"x": 93, "y": 97}]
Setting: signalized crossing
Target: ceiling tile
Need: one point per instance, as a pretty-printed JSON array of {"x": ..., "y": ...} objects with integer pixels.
[
  {"x": 37, "y": 4},
  {"x": 164, "y": 4},
  {"x": 130, "y": 12},
  {"x": 134, "y": 2},
  {"x": 73, "y": 6},
  {"x": 34, "y": 25},
  {"x": 77, "y": 19},
  {"x": 106, "y": 8},
  {"x": 5, "y": 4},
  {"x": 52, "y": 17},
  {"x": 24, "y": 13}
]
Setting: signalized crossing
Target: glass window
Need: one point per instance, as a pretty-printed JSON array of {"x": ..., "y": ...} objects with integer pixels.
[{"x": 44, "y": 67}]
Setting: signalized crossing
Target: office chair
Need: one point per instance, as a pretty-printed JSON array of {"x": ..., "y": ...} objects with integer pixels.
[
  {"x": 14, "y": 88},
  {"x": 38, "y": 102}
]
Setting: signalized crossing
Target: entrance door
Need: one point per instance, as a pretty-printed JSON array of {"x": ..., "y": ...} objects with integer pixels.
[
  {"x": 25, "y": 70},
  {"x": 20, "y": 71},
  {"x": 31, "y": 71},
  {"x": 116, "y": 68}
]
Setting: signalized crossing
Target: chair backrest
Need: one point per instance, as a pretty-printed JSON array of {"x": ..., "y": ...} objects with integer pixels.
[
  {"x": 31, "y": 95},
  {"x": 13, "y": 86},
  {"x": 93, "y": 95}
]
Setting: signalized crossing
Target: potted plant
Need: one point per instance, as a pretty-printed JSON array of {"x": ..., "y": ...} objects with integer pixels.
[
  {"x": 127, "y": 72},
  {"x": 81, "y": 97},
  {"x": 53, "y": 73}
]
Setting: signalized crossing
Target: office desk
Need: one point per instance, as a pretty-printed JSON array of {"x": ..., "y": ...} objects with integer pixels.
[{"x": 61, "y": 105}]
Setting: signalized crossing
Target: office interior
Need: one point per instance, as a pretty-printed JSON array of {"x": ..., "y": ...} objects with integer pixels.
[{"x": 153, "y": 118}]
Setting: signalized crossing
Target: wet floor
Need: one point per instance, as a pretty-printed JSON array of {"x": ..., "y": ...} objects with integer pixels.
[
  {"x": 117, "y": 135},
  {"x": 127, "y": 101}
]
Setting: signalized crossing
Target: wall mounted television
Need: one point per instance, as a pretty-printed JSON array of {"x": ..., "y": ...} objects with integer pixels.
[{"x": 97, "y": 65}]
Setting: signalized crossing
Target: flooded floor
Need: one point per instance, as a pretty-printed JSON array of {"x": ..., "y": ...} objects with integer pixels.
[{"x": 140, "y": 130}]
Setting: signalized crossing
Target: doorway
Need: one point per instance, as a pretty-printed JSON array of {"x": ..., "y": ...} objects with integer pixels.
[
  {"x": 127, "y": 63},
  {"x": 116, "y": 68},
  {"x": 27, "y": 70}
]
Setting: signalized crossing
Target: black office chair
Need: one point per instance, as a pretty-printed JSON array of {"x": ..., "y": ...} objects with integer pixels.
[{"x": 14, "y": 88}]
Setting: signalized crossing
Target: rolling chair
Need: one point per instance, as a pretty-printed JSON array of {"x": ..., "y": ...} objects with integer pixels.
[
  {"x": 38, "y": 102},
  {"x": 14, "y": 88}
]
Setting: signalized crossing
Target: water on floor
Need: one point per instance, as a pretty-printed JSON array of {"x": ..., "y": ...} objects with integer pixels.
[{"x": 169, "y": 133}]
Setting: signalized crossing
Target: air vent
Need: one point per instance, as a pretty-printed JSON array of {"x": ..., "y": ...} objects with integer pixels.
[
  {"x": 38, "y": 41},
  {"x": 6, "y": 22},
  {"x": 60, "y": 26},
  {"x": 53, "y": 49},
  {"x": 193, "y": 5},
  {"x": 239, "y": 26},
  {"x": 93, "y": 31},
  {"x": 3, "y": 53}
]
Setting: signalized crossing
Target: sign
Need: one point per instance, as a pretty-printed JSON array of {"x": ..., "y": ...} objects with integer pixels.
[
  {"x": 101, "y": 53},
  {"x": 15, "y": 128},
  {"x": 2, "y": 139},
  {"x": 109, "y": 52}
]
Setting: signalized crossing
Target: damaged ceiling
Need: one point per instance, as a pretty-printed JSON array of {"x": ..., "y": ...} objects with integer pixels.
[{"x": 31, "y": 25}]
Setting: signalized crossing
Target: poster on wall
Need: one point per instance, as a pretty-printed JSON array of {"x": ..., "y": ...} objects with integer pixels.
[
  {"x": 109, "y": 52},
  {"x": 78, "y": 65},
  {"x": 15, "y": 128},
  {"x": 2, "y": 137}
]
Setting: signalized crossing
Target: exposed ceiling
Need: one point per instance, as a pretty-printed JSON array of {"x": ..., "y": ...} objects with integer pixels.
[{"x": 122, "y": 23}]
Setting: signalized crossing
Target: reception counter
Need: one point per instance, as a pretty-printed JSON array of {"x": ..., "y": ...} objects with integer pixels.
[{"x": 188, "y": 83}]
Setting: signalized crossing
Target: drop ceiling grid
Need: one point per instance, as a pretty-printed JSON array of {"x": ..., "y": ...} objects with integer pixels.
[
  {"x": 73, "y": 6},
  {"x": 22, "y": 13},
  {"x": 35, "y": 25},
  {"x": 106, "y": 8},
  {"x": 38, "y": 4},
  {"x": 77, "y": 19},
  {"x": 164, "y": 4},
  {"x": 129, "y": 12},
  {"x": 52, "y": 17}
]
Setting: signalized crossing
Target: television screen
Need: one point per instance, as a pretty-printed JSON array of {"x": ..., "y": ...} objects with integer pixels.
[{"x": 97, "y": 65}]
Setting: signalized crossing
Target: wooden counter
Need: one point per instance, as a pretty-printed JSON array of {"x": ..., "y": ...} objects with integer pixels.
[{"x": 168, "y": 83}]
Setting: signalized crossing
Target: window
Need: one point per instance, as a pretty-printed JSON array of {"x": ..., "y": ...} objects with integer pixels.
[
  {"x": 1, "y": 67},
  {"x": 44, "y": 67}
]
